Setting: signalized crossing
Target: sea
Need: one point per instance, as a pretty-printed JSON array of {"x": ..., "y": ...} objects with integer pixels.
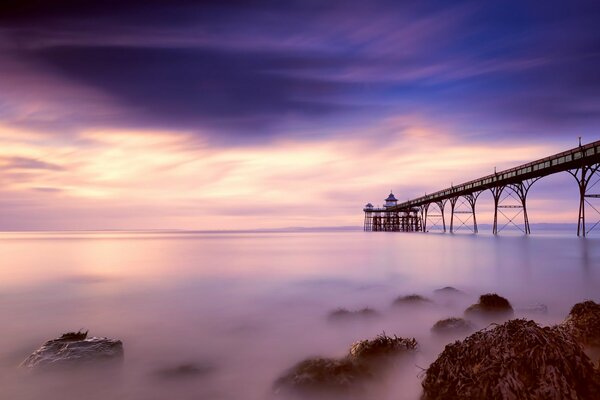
[{"x": 241, "y": 308}]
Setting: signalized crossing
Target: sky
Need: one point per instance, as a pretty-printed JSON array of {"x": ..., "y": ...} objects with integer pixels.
[{"x": 265, "y": 114}]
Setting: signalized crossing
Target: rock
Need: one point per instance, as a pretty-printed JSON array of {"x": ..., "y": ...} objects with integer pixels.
[
  {"x": 185, "y": 371},
  {"x": 341, "y": 314},
  {"x": 413, "y": 299},
  {"x": 451, "y": 326},
  {"x": 449, "y": 290},
  {"x": 583, "y": 323},
  {"x": 366, "y": 360},
  {"x": 491, "y": 305},
  {"x": 75, "y": 349},
  {"x": 324, "y": 375},
  {"x": 376, "y": 351},
  {"x": 515, "y": 360}
]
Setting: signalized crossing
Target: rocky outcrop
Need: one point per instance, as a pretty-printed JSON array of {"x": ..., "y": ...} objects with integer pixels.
[
  {"x": 490, "y": 306},
  {"x": 366, "y": 360},
  {"x": 75, "y": 349},
  {"x": 515, "y": 360}
]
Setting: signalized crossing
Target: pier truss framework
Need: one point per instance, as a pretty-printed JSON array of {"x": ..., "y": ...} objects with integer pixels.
[{"x": 509, "y": 190}]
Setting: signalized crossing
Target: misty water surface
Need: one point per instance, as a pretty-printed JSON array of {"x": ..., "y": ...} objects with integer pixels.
[{"x": 245, "y": 307}]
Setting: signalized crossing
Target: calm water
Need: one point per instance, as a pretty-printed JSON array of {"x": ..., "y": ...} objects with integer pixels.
[{"x": 248, "y": 306}]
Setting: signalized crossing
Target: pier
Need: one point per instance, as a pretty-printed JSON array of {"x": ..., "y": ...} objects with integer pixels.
[{"x": 509, "y": 190}]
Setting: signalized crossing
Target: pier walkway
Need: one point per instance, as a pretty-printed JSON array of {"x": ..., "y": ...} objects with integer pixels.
[{"x": 509, "y": 189}]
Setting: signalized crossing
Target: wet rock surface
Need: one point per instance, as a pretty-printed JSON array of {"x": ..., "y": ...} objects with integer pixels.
[
  {"x": 451, "y": 326},
  {"x": 347, "y": 376},
  {"x": 490, "y": 305},
  {"x": 515, "y": 360},
  {"x": 342, "y": 314},
  {"x": 75, "y": 349}
]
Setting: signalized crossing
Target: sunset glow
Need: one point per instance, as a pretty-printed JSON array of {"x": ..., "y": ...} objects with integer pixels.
[{"x": 298, "y": 123}]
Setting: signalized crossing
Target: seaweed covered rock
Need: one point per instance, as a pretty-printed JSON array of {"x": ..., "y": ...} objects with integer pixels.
[
  {"x": 515, "y": 360},
  {"x": 490, "y": 305},
  {"x": 75, "y": 349},
  {"x": 366, "y": 360},
  {"x": 452, "y": 326},
  {"x": 375, "y": 351},
  {"x": 583, "y": 323},
  {"x": 412, "y": 299},
  {"x": 324, "y": 375},
  {"x": 341, "y": 314}
]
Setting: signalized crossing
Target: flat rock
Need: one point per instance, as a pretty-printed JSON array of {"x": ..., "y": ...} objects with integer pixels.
[{"x": 75, "y": 349}]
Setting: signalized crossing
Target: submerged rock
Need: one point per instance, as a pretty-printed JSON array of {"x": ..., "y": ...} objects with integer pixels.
[
  {"x": 341, "y": 314},
  {"x": 75, "y": 349},
  {"x": 185, "y": 371},
  {"x": 515, "y": 360},
  {"x": 449, "y": 290},
  {"x": 450, "y": 326},
  {"x": 491, "y": 305},
  {"x": 413, "y": 299},
  {"x": 366, "y": 360}
]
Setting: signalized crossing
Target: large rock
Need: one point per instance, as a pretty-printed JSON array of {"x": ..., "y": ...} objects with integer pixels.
[
  {"x": 515, "y": 360},
  {"x": 583, "y": 323},
  {"x": 347, "y": 376},
  {"x": 490, "y": 306},
  {"x": 75, "y": 349}
]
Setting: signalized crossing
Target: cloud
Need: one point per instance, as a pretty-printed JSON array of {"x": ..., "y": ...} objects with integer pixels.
[
  {"x": 155, "y": 179},
  {"x": 24, "y": 163},
  {"x": 238, "y": 72}
]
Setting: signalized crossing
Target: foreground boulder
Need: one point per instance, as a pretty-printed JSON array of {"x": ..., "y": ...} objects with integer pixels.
[
  {"x": 349, "y": 375},
  {"x": 583, "y": 324},
  {"x": 75, "y": 349},
  {"x": 515, "y": 360},
  {"x": 490, "y": 305},
  {"x": 341, "y": 314},
  {"x": 452, "y": 326}
]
